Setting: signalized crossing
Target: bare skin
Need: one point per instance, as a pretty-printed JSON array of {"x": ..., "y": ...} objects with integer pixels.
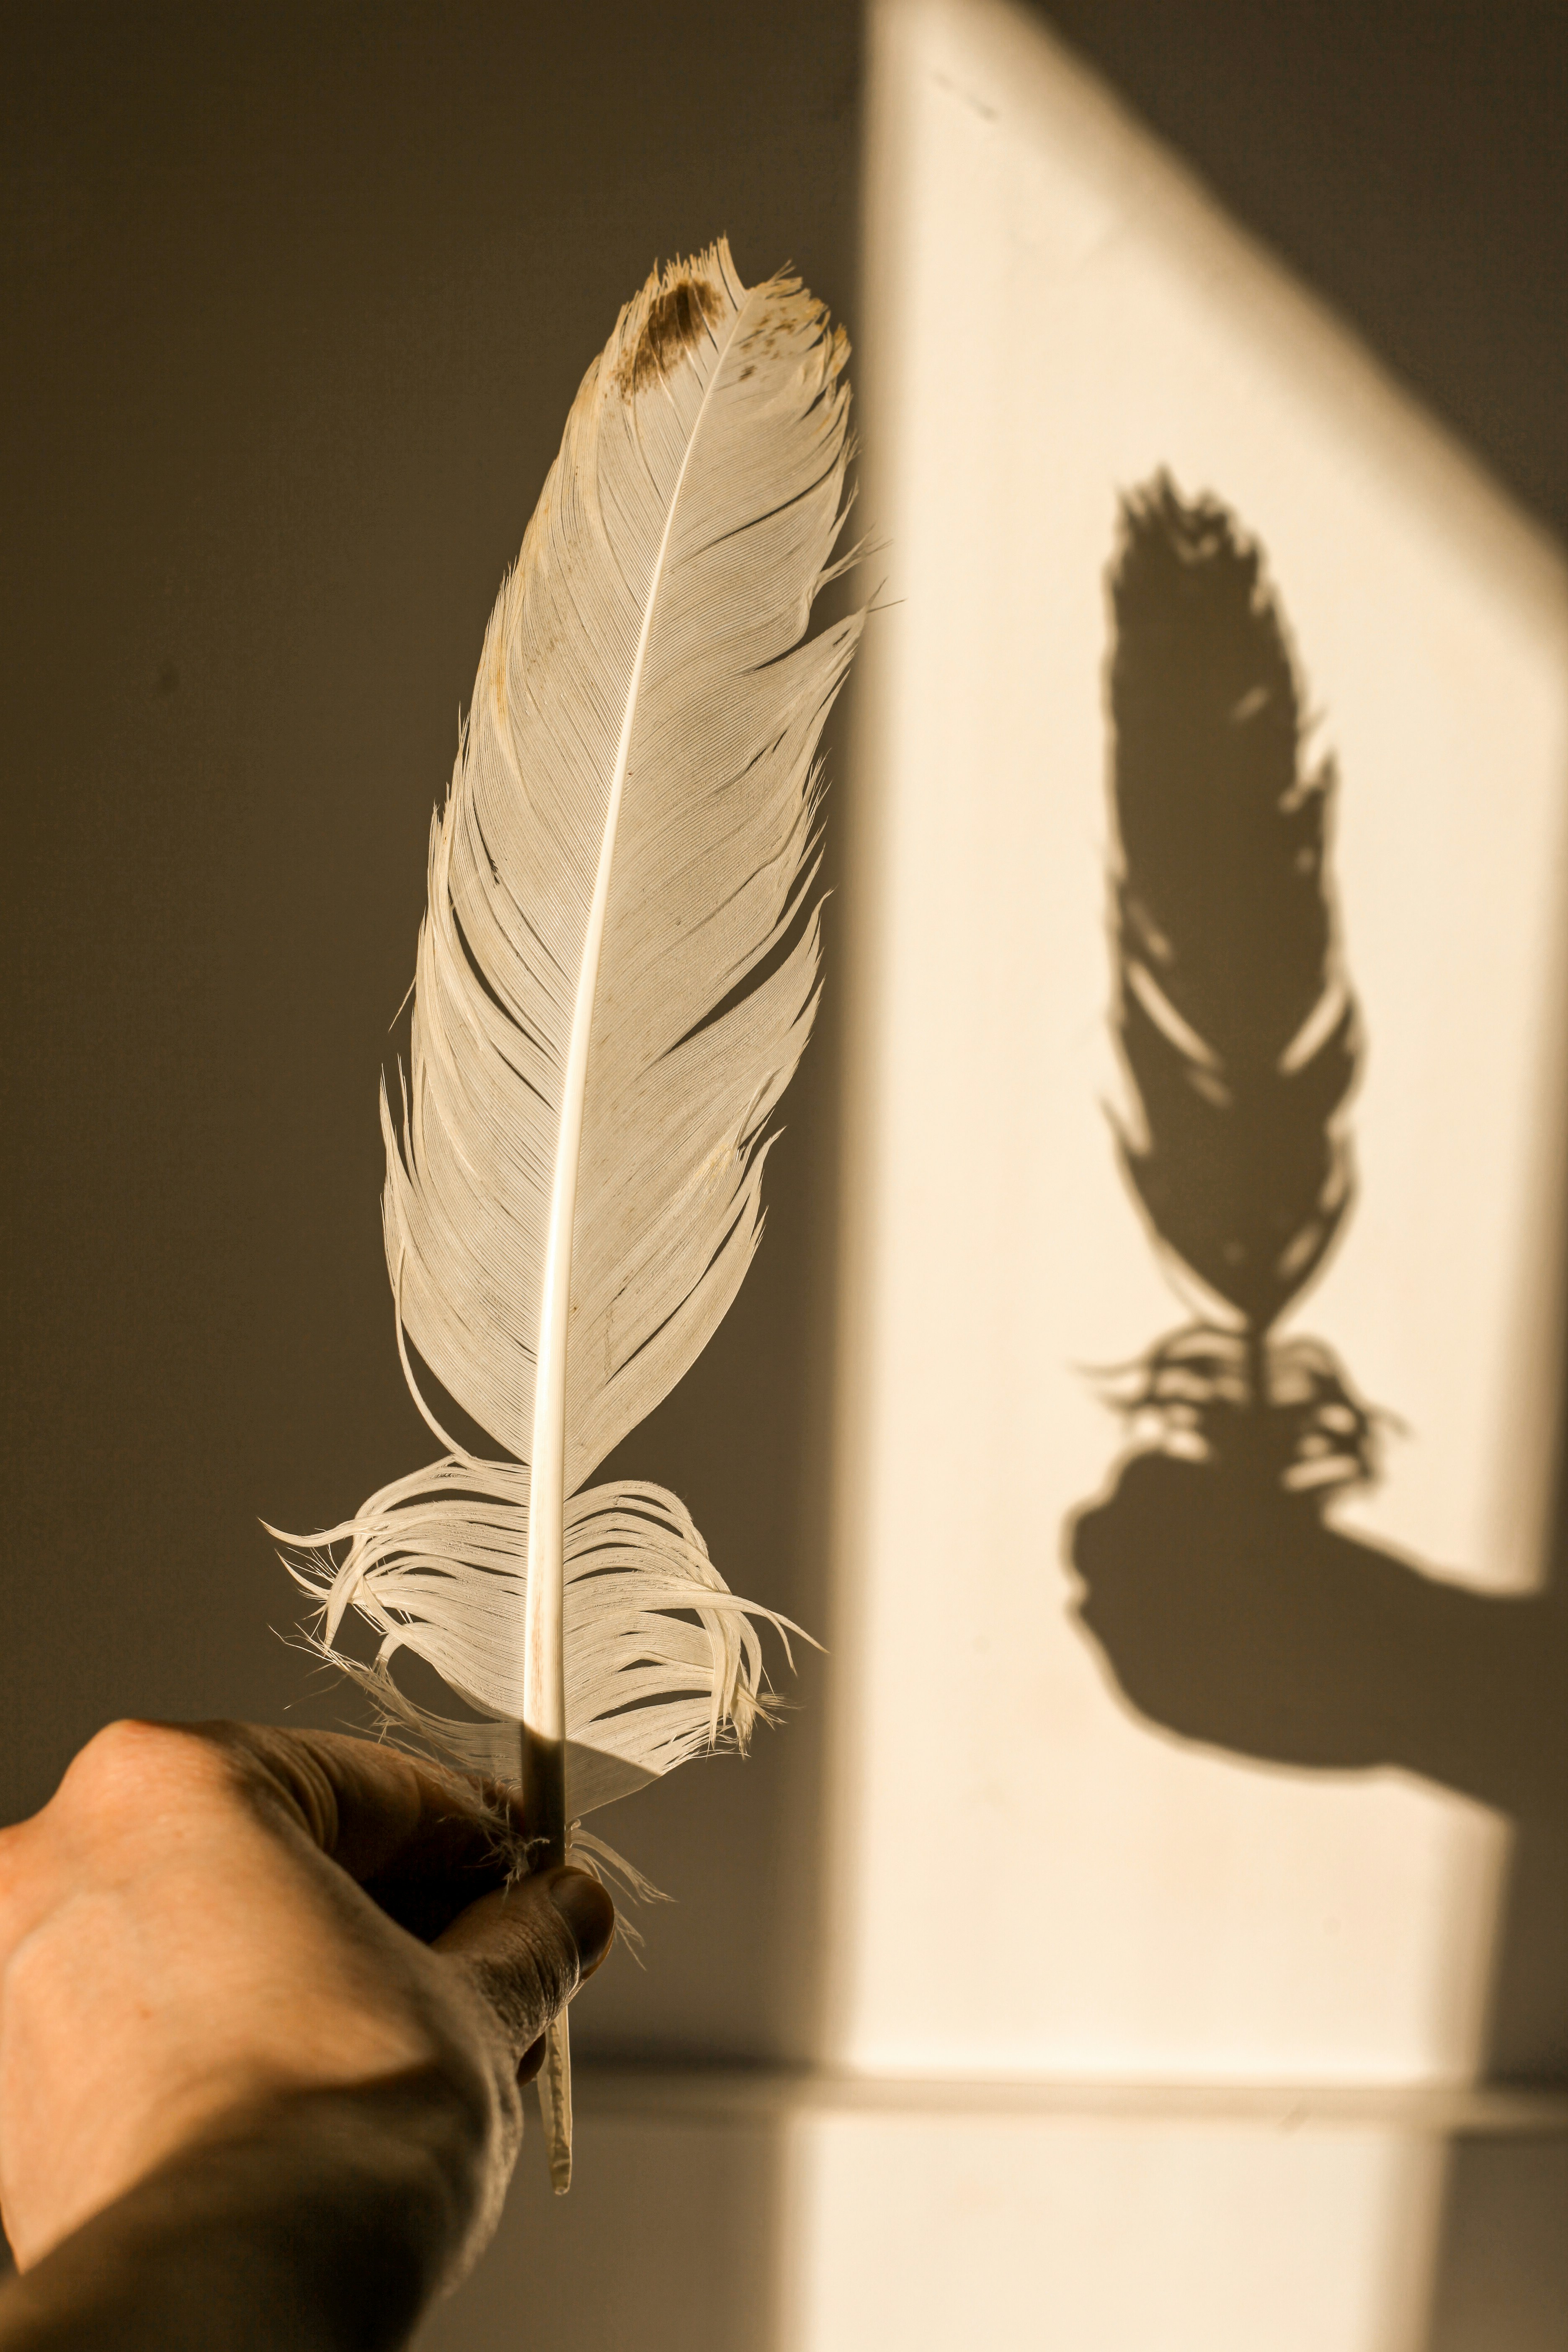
[{"x": 268, "y": 1996}]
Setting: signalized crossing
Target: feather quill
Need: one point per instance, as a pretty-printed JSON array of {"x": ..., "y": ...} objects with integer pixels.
[{"x": 617, "y": 975}]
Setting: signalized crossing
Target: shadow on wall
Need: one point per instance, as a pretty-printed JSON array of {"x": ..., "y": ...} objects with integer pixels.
[
  {"x": 1235, "y": 1615},
  {"x": 1228, "y": 1606}
]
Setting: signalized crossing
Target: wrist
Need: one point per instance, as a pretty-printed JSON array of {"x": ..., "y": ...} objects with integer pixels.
[{"x": 325, "y": 2221}]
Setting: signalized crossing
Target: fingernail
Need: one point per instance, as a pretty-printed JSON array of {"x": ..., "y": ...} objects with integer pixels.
[{"x": 587, "y": 1911}]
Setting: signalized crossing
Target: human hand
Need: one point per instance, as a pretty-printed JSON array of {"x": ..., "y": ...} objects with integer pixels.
[{"x": 231, "y": 1951}]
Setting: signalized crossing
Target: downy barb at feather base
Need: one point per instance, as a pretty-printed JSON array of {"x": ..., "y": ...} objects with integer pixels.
[{"x": 574, "y": 1185}]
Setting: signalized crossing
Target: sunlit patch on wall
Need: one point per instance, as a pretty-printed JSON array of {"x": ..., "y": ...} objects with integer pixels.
[{"x": 1202, "y": 1792}]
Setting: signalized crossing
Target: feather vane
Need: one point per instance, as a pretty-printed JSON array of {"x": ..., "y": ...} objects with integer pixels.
[{"x": 615, "y": 978}]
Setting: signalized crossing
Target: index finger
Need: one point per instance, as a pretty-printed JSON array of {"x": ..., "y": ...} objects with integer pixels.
[{"x": 422, "y": 1840}]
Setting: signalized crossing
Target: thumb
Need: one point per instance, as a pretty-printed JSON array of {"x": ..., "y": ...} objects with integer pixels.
[{"x": 526, "y": 1947}]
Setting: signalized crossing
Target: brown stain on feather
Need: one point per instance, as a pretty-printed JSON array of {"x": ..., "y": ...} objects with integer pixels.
[{"x": 676, "y": 318}]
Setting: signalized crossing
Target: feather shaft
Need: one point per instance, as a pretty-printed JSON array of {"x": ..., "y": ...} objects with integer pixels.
[
  {"x": 543, "y": 1729},
  {"x": 555, "y": 2101}
]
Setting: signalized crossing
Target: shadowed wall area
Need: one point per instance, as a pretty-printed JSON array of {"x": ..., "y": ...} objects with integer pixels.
[
  {"x": 1406, "y": 159},
  {"x": 297, "y": 300}
]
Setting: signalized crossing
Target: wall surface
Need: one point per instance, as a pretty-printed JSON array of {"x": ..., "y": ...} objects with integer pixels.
[
  {"x": 1203, "y": 1732},
  {"x": 1115, "y": 325},
  {"x": 301, "y": 297}
]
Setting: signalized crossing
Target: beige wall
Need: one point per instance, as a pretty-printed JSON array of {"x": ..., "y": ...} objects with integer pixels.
[{"x": 302, "y": 296}]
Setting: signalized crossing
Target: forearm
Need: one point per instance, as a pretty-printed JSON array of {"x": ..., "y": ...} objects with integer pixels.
[{"x": 324, "y": 2223}]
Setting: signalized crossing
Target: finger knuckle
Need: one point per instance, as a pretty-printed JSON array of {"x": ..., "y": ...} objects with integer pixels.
[
  {"x": 131, "y": 1763},
  {"x": 15, "y": 1853}
]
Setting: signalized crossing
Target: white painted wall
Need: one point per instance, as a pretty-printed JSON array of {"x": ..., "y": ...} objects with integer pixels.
[
  {"x": 1052, "y": 311},
  {"x": 1029, "y": 1881}
]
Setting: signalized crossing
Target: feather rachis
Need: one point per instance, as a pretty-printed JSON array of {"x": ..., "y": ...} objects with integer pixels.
[{"x": 674, "y": 321}]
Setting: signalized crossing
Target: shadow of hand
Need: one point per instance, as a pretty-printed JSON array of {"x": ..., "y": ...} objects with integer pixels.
[{"x": 1228, "y": 1611}]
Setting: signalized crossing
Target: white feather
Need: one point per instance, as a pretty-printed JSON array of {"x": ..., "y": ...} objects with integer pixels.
[{"x": 573, "y": 1194}]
